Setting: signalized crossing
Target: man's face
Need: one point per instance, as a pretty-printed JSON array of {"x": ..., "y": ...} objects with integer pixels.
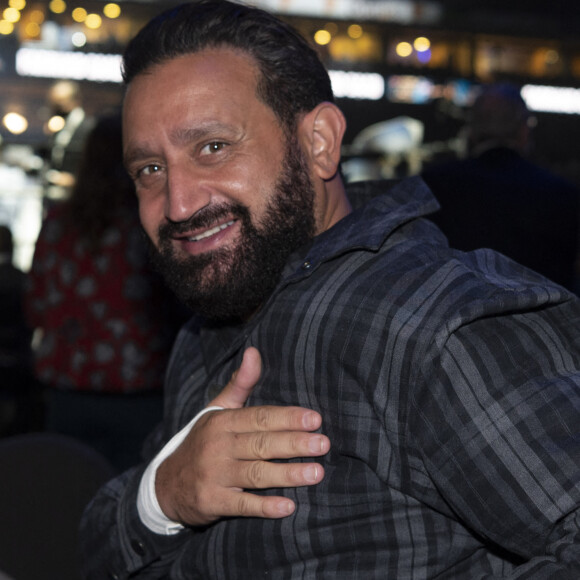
[{"x": 224, "y": 197}]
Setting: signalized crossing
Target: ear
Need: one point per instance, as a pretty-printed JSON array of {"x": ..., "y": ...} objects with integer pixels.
[{"x": 321, "y": 132}]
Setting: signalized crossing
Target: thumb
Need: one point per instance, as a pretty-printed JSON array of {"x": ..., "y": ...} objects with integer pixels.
[{"x": 239, "y": 388}]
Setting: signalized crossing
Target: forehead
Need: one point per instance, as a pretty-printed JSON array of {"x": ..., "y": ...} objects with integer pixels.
[{"x": 211, "y": 75}]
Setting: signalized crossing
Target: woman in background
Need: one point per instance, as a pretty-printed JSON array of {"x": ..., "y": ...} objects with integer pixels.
[{"x": 105, "y": 319}]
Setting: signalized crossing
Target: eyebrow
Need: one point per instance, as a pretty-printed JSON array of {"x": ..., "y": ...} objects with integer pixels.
[
  {"x": 185, "y": 135},
  {"x": 134, "y": 154}
]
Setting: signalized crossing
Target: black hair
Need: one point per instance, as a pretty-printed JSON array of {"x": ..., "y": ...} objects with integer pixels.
[
  {"x": 292, "y": 81},
  {"x": 102, "y": 188}
]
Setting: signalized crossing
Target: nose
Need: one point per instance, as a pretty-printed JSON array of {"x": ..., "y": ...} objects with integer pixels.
[{"x": 186, "y": 194}]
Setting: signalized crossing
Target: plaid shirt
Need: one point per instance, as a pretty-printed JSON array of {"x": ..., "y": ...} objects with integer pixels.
[{"x": 449, "y": 388}]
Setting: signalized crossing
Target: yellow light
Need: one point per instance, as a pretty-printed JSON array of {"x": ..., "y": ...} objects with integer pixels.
[
  {"x": 55, "y": 123},
  {"x": 112, "y": 10},
  {"x": 36, "y": 16},
  {"x": 57, "y": 6},
  {"x": 79, "y": 14},
  {"x": 15, "y": 123},
  {"x": 322, "y": 37},
  {"x": 422, "y": 44},
  {"x": 32, "y": 30},
  {"x": 18, "y": 4},
  {"x": 355, "y": 31},
  {"x": 6, "y": 27},
  {"x": 93, "y": 21},
  {"x": 404, "y": 49},
  {"x": 11, "y": 14}
]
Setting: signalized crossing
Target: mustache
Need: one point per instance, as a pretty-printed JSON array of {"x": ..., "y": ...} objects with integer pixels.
[{"x": 204, "y": 218}]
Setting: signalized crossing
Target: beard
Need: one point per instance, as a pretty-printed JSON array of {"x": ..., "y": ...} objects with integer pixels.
[{"x": 230, "y": 284}]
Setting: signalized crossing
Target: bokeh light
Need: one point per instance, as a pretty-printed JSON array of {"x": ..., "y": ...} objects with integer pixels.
[
  {"x": 79, "y": 14},
  {"x": 112, "y": 10},
  {"x": 36, "y": 16},
  {"x": 93, "y": 21},
  {"x": 11, "y": 15},
  {"x": 32, "y": 29},
  {"x": 15, "y": 123},
  {"x": 6, "y": 27},
  {"x": 79, "y": 39},
  {"x": 322, "y": 37},
  {"x": 422, "y": 44},
  {"x": 404, "y": 49},
  {"x": 55, "y": 124},
  {"x": 57, "y": 6},
  {"x": 355, "y": 31}
]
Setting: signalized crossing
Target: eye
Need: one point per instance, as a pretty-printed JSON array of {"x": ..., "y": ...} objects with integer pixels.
[
  {"x": 149, "y": 170},
  {"x": 213, "y": 147}
]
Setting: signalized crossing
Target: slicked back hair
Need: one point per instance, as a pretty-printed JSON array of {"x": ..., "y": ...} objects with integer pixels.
[{"x": 292, "y": 79}]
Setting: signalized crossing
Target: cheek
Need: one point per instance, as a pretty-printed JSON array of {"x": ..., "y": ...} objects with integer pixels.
[{"x": 151, "y": 217}]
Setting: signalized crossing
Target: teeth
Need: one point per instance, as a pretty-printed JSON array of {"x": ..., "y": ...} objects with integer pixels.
[{"x": 211, "y": 232}]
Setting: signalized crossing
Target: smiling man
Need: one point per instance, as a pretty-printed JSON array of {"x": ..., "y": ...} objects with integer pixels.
[
  {"x": 353, "y": 398},
  {"x": 222, "y": 249}
]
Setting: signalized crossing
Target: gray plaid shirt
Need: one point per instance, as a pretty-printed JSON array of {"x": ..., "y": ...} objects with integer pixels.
[{"x": 449, "y": 386}]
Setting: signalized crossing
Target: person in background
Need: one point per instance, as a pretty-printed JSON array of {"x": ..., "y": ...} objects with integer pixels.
[
  {"x": 374, "y": 404},
  {"x": 105, "y": 319},
  {"x": 66, "y": 145},
  {"x": 20, "y": 403},
  {"x": 498, "y": 198}
]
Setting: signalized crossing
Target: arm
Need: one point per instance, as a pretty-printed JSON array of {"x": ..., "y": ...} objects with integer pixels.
[
  {"x": 500, "y": 436},
  {"x": 225, "y": 453}
]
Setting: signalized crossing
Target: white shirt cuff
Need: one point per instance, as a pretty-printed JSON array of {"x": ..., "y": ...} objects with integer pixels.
[{"x": 147, "y": 505}]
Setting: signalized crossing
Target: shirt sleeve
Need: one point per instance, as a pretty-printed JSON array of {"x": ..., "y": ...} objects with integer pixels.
[
  {"x": 116, "y": 544},
  {"x": 497, "y": 423},
  {"x": 125, "y": 533},
  {"x": 147, "y": 505}
]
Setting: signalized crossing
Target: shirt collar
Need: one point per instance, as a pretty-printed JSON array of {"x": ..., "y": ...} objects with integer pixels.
[{"x": 380, "y": 208}]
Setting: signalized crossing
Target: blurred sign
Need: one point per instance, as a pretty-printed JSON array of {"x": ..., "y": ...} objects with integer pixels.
[
  {"x": 548, "y": 99},
  {"x": 401, "y": 11},
  {"x": 34, "y": 62}
]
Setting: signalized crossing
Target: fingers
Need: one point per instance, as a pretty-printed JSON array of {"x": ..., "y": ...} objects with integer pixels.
[
  {"x": 243, "y": 504},
  {"x": 237, "y": 391},
  {"x": 265, "y": 475},
  {"x": 266, "y": 445},
  {"x": 263, "y": 418},
  {"x": 233, "y": 500}
]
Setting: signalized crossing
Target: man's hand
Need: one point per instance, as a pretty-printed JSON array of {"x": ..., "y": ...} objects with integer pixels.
[{"x": 228, "y": 452}]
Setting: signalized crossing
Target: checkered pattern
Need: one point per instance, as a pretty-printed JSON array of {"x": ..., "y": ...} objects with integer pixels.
[{"x": 449, "y": 386}]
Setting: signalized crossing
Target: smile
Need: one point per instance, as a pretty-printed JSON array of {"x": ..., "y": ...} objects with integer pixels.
[{"x": 211, "y": 232}]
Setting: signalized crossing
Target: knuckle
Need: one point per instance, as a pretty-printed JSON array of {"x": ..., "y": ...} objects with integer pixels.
[
  {"x": 243, "y": 504},
  {"x": 255, "y": 474},
  {"x": 262, "y": 417},
  {"x": 260, "y": 445}
]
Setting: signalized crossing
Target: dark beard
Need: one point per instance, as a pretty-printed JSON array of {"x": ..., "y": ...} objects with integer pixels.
[{"x": 231, "y": 284}]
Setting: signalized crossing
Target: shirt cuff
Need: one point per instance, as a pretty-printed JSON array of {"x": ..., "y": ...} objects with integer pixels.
[{"x": 147, "y": 505}]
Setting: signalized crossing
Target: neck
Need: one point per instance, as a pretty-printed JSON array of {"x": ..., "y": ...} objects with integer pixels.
[{"x": 335, "y": 203}]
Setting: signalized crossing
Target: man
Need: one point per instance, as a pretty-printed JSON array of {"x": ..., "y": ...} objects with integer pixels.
[
  {"x": 66, "y": 147},
  {"x": 498, "y": 198},
  {"x": 392, "y": 408}
]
